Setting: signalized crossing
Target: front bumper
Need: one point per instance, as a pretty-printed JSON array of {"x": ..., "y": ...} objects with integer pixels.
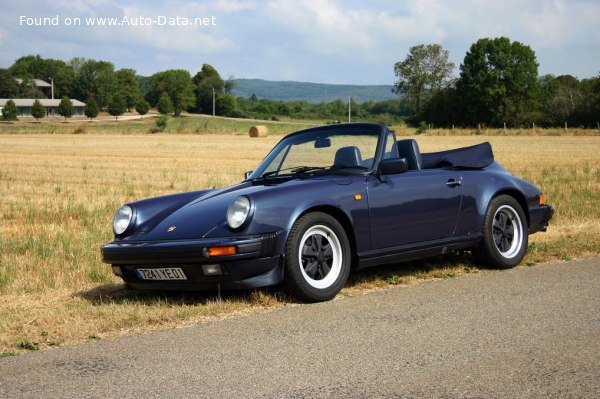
[
  {"x": 539, "y": 218},
  {"x": 257, "y": 262}
]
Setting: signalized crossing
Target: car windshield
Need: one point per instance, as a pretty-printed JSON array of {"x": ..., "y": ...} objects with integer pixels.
[{"x": 344, "y": 150}]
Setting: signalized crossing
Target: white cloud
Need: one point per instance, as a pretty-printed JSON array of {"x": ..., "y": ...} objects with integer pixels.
[
  {"x": 351, "y": 41},
  {"x": 322, "y": 25},
  {"x": 231, "y": 6},
  {"x": 184, "y": 39}
]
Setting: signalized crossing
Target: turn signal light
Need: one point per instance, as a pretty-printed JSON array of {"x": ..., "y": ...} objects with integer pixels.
[
  {"x": 542, "y": 199},
  {"x": 221, "y": 251}
]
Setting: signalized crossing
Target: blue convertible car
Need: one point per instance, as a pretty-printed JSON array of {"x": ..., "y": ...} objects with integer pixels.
[{"x": 324, "y": 202}]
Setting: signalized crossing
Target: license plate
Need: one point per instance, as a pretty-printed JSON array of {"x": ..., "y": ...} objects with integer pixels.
[{"x": 165, "y": 273}]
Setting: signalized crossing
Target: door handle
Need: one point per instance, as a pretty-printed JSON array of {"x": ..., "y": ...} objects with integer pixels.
[{"x": 453, "y": 183}]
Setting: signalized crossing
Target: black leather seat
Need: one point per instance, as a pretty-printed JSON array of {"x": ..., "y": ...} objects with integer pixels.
[
  {"x": 409, "y": 149},
  {"x": 348, "y": 156}
]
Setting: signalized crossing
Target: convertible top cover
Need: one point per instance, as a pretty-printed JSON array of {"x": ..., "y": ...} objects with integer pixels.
[{"x": 477, "y": 156}]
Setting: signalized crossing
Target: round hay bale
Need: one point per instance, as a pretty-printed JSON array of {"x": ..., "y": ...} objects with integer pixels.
[{"x": 259, "y": 131}]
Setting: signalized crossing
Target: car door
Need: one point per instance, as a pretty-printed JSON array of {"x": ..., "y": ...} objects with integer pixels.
[{"x": 413, "y": 207}]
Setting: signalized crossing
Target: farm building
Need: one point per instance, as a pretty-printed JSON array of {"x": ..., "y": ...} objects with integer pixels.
[
  {"x": 42, "y": 88},
  {"x": 24, "y": 106}
]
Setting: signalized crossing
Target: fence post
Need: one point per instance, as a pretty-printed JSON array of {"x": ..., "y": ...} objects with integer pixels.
[
  {"x": 566, "y": 130},
  {"x": 504, "y": 127}
]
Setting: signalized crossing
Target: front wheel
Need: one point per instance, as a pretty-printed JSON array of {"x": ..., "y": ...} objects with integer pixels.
[
  {"x": 317, "y": 262},
  {"x": 505, "y": 234}
]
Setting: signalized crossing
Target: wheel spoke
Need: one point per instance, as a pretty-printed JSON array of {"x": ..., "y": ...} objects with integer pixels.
[
  {"x": 318, "y": 243},
  {"x": 327, "y": 252},
  {"x": 325, "y": 269},
  {"x": 308, "y": 252},
  {"x": 509, "y": 235},
  {"x": 498, "y": 241},
  {"x": 311, "y": 268}
]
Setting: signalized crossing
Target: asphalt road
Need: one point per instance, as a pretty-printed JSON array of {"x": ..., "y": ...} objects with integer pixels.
[{"x": 522, "y": 333}]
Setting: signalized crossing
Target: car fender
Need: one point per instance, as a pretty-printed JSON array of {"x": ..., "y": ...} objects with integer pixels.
[
  {"x": 151, "y": 211},
  {"x": 481, "y": 186},
  {"x": 344, "y": 197}
]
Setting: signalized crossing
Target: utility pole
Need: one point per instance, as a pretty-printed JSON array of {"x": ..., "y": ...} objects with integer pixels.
[
  {"x": 52, "y": 83},
  {"x": 213, "y": 101}
]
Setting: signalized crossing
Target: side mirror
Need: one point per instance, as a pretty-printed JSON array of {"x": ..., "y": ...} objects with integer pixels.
[
  {"x": 247, "y": 174},
  {"x": 392, "y": 166}
]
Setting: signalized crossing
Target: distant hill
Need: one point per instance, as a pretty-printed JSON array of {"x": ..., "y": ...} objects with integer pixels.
[{"x": 311, "y": 92}]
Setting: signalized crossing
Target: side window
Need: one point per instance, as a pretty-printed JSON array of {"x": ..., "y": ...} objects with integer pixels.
[{"x": 391, "y": 151}]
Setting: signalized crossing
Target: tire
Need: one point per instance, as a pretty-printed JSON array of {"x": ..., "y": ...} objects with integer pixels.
[
  {"x": 505, "y": 234},
  {"x": 318, "y": 259}
]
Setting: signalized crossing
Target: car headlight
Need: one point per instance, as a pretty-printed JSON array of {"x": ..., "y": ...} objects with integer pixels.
[
  {"x": 237, "y": 212},
  {"x": 122, "y": 219}
]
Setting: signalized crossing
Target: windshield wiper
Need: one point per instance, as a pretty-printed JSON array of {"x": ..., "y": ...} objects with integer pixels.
[
  {"x": 339, "y": 167},
  {"x": 306, "y": 169},
  {"x": 293, "y": 170}
]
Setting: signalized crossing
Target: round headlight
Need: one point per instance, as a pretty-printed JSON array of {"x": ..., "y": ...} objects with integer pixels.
[
  {"x": 122, "y": 219},
  {"x": 238, "y": 212}
]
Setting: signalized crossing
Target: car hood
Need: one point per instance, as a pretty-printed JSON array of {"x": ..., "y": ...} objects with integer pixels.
[{"x": 205, "y": 215}]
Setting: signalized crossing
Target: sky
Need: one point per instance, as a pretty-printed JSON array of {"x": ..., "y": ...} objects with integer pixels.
[{"x": 322, "y": 41}]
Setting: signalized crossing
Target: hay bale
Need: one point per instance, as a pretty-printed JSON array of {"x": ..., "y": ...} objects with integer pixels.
[{"x": 259, "y": 131}]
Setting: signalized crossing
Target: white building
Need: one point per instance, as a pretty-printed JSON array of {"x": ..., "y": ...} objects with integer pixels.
[
  {"x": 24, "y": 106},
  {"x": 51, "y": 104}
]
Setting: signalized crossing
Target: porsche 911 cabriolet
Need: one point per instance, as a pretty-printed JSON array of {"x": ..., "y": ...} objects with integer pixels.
[{"x": 324, "y": 202}]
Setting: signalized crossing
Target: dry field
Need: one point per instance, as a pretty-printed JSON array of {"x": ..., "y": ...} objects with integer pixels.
[{"x": 58, "y": 193}]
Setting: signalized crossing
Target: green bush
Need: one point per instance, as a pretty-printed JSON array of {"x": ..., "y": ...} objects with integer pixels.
[
  {"x": 422, "y": 128},
  {"x": 162, "y": 122}
]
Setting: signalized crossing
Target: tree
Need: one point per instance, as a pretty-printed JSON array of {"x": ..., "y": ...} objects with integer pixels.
[
  {"x": 47, "y": 69},
  {"x": 592, "y": 104},
  {"x": 497, "y": 80},
  {"x": 229, "y": 84},
  {"x": 128, "y": 86},
  {"x": 225, "y": 103},
  {"x": 165, "y": 105},
  {"x": 93, "y": 79},
  {"x": 37, "y": 110},
  {"x": 91, "y": 109},
  {"x": 65, "y": 108},
  {"x": 9, "y": 87},
  {"x": 28, "y": 89},
  {"x": 206, "y": 80},
  {"x": 177, "y": 84},
  {"x": 442, "y": 109},
  {"x": 9, "y": 112},
  {"x": 566, "y": 98},
  {"x": 424, "y": 71},
  {"x": 117, "y": 106},
  {"x": 142, "y": 107}
]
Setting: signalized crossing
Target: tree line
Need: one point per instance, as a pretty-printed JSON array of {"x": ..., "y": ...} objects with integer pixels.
[
  {"x": 173, "y": 91},
  {"x": 498, "y": 84}
]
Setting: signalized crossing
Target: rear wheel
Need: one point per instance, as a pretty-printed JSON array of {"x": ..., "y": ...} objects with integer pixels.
[
  {"x": 505, "y": 235},
  {"x": 317, "y": 258}
]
